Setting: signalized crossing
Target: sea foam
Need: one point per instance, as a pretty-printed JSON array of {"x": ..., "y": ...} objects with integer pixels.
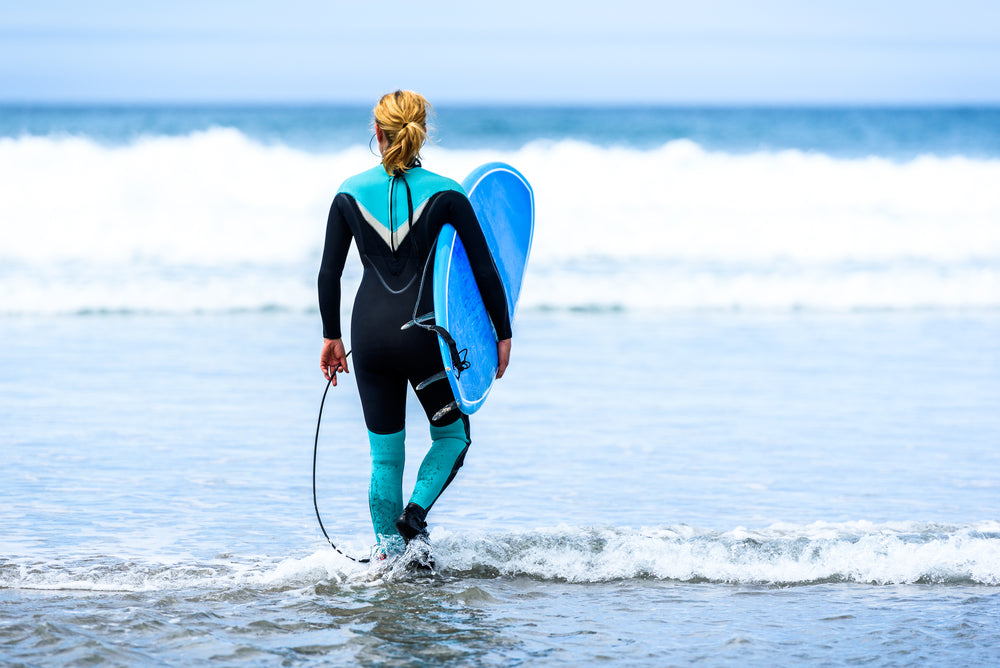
[
  {"x": 784, "y": 554},
  {"x": 781, "y": 554},
  {"x": 215, "y": 221}
]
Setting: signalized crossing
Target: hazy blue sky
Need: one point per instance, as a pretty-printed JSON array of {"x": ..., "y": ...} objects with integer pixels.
[{"x": 712, "y": 51}]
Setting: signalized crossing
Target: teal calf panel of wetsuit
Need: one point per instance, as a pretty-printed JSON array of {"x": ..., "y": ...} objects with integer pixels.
[
  {"x": 385, "y": 491},
  {"x": 446, "y": 456}
]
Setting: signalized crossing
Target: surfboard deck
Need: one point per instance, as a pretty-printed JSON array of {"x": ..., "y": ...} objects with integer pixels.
[{"x": 505, "y": 206}]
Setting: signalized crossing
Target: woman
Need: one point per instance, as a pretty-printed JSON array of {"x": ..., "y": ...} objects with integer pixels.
[{"x": 394, "y": 212}]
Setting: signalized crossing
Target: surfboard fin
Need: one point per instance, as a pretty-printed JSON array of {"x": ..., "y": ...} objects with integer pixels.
[
  {"x": 440, "y": 375},
  {"x": 418, "y": 320},
  {"x": 444, "y": 411}
]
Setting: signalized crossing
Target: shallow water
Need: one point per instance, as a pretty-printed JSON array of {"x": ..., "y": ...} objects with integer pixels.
[
  {"x": 455, "y": 621},
  {"x": 643, "y": 489}
]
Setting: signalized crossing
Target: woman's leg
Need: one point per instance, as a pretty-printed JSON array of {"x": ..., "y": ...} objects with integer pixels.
[
  {"x": 441, "y": 463},
  {"x": 449, "y": 444},
  {"x": 385, "y": 491},
  {"x": 383, "y": 399},
  {"x": 450, "y": 439}
]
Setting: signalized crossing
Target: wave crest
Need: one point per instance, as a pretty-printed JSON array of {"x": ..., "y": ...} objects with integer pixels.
[
  {"x": 144, "y": 226},
  {"x": 780, "y": 555}
]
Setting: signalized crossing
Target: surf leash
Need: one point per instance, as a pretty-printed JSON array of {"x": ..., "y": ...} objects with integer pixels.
[
  {"x": 319, "y": 421},
  {"x": 459, "y": 361}
]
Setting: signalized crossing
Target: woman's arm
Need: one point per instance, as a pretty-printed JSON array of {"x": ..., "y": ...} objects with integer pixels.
[
  {"x": 338, "y": 242},
  {"x": 463, "y": 218}
]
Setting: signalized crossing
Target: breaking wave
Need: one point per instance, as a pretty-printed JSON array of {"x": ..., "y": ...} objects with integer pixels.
[
  {"x": 216, "y": 221},
  {"x": 779, "y": 555}
]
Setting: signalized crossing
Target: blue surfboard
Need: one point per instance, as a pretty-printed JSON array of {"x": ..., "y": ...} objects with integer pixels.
[{"x": 505, "y": 205}]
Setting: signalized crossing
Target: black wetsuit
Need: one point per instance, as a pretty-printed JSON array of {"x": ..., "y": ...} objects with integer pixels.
[{"x": 395, "y": 221}]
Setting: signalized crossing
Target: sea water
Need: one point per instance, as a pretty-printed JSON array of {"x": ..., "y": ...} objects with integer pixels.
[{"x": 751, "y": 417}]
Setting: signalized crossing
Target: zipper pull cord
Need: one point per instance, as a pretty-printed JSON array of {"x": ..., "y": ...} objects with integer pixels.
[{"x": 398, "y": 174}]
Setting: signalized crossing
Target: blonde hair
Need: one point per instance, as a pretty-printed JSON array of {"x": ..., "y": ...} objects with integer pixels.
[{"x": 402, "y": 117}]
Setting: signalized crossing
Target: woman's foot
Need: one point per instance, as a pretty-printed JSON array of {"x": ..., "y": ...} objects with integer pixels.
[{"x": 412, "y": 523}]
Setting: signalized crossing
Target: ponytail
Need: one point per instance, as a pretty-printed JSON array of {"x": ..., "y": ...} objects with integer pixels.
[{"x": 402, "y": 117}]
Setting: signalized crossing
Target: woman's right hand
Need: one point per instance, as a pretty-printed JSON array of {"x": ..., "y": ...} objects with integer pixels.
[
  {"x": 333, "y": 359},
  {"x": 503, "y": 356}
]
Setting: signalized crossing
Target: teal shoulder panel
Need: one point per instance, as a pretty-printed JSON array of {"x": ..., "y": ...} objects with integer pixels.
[
  {"x": 371, "y": 190},
  {"x": 423, "y": 184}
]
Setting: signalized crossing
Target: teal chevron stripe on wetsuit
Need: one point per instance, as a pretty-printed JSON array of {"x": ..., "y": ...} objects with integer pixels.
[
  {"x": 395, "y": 221},
  {"x": 386, "y": 209}
]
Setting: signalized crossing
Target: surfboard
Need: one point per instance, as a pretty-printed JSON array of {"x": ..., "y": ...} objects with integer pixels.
[{"x": 505, "y": 205}]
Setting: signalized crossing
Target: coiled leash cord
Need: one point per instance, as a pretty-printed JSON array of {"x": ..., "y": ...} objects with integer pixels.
[
  {"x": 458, "y": 357},
  {"x": 319, "y": 421}
]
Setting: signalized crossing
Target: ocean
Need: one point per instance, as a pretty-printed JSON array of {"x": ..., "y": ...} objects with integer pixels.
[{"x": 751, "y": 415}]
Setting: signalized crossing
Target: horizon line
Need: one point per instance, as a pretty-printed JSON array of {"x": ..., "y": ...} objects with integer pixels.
[{"x": 568, "y": 104}]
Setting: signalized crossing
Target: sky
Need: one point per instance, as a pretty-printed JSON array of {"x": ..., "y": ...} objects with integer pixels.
[{"x": 515, "y": 51}]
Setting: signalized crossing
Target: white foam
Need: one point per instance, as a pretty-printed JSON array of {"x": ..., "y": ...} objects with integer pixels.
[
  {"x": 898, "y": 553},
  {"x": 214, "y": 198},
  {"x": 216, "y": 221},
  {"x": 112, "y": 574},
  {"x": 782, "y": 554}
]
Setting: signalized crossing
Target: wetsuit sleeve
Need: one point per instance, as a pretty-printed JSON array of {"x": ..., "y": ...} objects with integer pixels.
[
  {"x": 463, "y": 218},
  {"x": 338, "y": 242}
]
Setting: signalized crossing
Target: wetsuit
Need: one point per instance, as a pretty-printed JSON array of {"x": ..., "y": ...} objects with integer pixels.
[{"x": 395, "y": 221}]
